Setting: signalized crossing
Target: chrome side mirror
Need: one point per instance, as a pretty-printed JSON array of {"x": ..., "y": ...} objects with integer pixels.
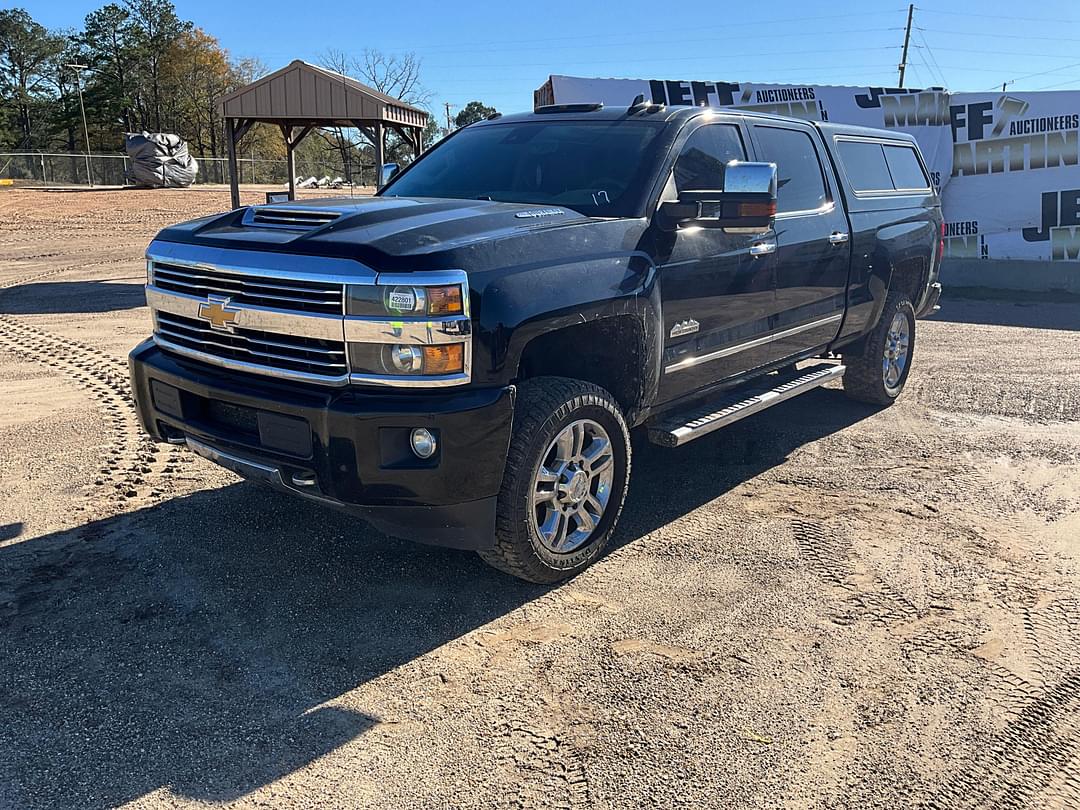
[
  {"x": 387, "y": 173},
  {"x": 747, "y": 201}
]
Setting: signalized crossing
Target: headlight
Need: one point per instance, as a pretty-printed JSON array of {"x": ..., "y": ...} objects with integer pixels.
[
  {"x": 404, "y": 359},
  {"x": 407, "y": 360},
  {"x": 406, "y": 333},
  {"x": 436, "y": 301}
]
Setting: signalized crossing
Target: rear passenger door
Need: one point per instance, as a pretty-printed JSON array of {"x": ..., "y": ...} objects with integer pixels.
[{"x": 812, "y": 239}]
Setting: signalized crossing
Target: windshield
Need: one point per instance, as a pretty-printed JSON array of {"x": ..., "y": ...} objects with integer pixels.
[{"x": 595, "y": 167}]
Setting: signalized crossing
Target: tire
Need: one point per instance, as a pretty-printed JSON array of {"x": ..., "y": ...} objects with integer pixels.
[
  {"x": 878, "y": 365},
  {"x": 552, "y": 413}
]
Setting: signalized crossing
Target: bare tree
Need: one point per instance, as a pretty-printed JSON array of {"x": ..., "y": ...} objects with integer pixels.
[{"x": 396, "y": 75}]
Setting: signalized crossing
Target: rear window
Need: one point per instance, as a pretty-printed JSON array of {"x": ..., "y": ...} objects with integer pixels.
[
  {"x": 905, "y": 168},
  {"x": 872, "y": 166},
  {"x": 864, "y": 165}
]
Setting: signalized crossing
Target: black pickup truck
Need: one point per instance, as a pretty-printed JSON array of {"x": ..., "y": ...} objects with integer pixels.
[{"x": 460, "y": 359}]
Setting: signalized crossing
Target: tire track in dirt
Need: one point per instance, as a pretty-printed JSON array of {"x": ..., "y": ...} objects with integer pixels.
[
  {"x": 829, "y": 555},
  {"x": 134, "y": 466},
  {"x": 1035, "y": 759},
  {"x": 546, "y": 766},
  {"x": 1032, "y": 762}
]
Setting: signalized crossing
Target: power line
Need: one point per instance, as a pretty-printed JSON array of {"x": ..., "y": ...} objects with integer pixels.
[
  {"x": 623, "y": 61},
  {"x": 1059, "y": 86},
  {"x": 725, "y": 26},
  {"x": 1040, "y": 73},
  {"x": 421, "y": 52},
  {"x": 933, "y": 58},
  {"x": 1001, "y": 36},
  {"x": 1008, "y": 53},
  {"x": 1009, "y": 17}
]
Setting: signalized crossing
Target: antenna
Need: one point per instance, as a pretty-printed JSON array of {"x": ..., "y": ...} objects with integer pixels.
[{"x": 637, "y": 104}]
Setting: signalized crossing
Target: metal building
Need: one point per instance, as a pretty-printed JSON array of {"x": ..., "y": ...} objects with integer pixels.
[{"x": 302, "y": 96}]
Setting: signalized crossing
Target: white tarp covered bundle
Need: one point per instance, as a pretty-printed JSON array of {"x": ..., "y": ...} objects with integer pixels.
[
  {"x": 159, "y": 160},
  {"x": 1007, "y": 164}
]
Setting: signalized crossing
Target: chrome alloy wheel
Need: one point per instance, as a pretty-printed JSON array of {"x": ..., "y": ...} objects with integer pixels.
[
  {"x": 895, "y": 358},
  {"x": 572, "y": 486}
]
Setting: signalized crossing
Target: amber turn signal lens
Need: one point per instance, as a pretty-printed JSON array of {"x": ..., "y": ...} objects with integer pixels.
[
  {"x": 444, "y": 300},
  {"x": 447, "y": 358},
  {"x": 757, "y": 209}
]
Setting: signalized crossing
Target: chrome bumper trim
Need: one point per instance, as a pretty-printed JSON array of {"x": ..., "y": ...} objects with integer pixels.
[
  {"x": 250, "y": 368},
  {"x": 299, "y": 324},
  {"x": 392, "y": 381},
  {"x": 252, "y": 469},
  {"x": 399, "y": 330},
  {"x": 266, "y": 263}
]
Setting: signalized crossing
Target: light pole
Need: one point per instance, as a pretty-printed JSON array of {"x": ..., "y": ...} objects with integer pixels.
[{"x": 82, "y": 109}]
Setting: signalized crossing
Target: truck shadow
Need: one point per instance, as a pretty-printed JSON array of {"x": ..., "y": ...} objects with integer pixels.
[
  {"x": 1050, "y": 311},
  {"x": 198, "y": 645},
  {"x": 61, "y": 297}
]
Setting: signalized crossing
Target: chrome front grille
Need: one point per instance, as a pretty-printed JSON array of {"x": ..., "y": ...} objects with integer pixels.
[
  {"x": 283, "y": 315},
  {"x": 305, "y": 355},
  {"x": 241, "y": 288}
]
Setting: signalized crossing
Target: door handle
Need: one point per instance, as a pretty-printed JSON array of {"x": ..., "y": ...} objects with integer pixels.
[
  {"x": 838, "y": 238},
  {"x": 763, "y": 248}
]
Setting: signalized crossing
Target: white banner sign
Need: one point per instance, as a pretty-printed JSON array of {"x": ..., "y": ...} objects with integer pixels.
[{"x": 1007, "y": 164}]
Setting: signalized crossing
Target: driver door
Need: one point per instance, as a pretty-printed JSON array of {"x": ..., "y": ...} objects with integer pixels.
[{"x": 718, "y": 288}]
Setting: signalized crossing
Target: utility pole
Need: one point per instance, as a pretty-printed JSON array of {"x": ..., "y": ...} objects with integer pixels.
[
  {"x": 82, "y": 109},
  {"x": 448, "y": 124},
  {"x": 907, "y": 39}
]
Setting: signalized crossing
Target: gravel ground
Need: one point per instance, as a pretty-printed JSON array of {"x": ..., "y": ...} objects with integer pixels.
[{"x": 826, "y": 605}]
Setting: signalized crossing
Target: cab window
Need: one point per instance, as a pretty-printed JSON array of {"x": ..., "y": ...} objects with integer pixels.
[{"x": 800, "y": 184}]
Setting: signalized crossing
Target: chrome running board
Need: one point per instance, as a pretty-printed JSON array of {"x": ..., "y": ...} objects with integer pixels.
[{"x": 714, "y": 414}]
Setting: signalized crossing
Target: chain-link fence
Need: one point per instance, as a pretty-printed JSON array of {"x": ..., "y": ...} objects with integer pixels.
[{"x": 67, "y": 169}]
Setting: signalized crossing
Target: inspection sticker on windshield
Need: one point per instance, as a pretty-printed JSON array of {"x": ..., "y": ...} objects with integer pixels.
[{"x": 539, "y": 212}]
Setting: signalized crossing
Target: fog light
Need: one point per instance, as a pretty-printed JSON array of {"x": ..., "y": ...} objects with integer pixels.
[{"x": 423, "y": 442}]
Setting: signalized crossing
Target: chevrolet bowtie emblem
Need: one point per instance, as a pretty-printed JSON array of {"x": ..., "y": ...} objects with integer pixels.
[{"x": 216, "y": 309}]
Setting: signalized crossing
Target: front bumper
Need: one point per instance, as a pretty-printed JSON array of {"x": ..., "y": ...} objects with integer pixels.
[{"x": 342, "y": 447}]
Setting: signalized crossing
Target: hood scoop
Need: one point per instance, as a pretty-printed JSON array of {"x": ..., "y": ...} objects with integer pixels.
[{"x": 296, "y": 219}]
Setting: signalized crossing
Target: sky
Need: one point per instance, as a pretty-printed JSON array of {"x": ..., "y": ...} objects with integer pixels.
[{"x": 499, "y": 52}]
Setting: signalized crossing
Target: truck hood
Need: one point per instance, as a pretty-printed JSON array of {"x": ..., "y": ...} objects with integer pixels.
[{"x": 379, "y": 231}]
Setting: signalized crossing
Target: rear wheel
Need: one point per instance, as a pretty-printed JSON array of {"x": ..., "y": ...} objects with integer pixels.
[
  {"x": 878, "y": 366},
  {"x": 567, "y": 471}
]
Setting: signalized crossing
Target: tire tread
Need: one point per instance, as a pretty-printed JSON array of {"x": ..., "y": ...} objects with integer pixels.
[
  {"x": 542, "y": 403},
  {"x": 862, "y": 381}
]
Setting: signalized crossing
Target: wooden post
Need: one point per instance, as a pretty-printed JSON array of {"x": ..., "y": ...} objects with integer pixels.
[
  {"x": 419, "y": 141},
  {"x": 290, "y": 161},
  {"x": 234, "y": 181},
  {"x": 380, "y": 152}
]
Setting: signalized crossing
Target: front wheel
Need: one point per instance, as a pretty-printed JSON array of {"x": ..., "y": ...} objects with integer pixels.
[
  {"x": 567, "y": 470},
  {"x": 878, "y": 366}
]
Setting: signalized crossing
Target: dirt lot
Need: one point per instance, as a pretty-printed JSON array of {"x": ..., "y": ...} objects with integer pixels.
[{"x": 823, "y": 606}]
